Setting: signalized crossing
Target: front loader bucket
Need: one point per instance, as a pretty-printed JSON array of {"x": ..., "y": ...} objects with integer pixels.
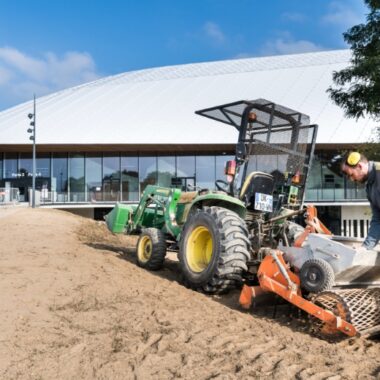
[{"x": 117, "y": 219}]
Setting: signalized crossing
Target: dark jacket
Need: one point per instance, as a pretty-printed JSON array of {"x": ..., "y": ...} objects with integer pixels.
[{"x": 373, "y": 195}]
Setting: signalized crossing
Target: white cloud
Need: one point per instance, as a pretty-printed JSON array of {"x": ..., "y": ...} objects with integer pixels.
[
  {"x": 21, "y": 74},
  {"x": 214, "y": 32},
  {"x": 344, "y": 14},
  {"x": 289, "y": 46},
  {"x": 5, "y": 75},
  {"x": 17, "y": 61},
  {"x": 72, "y": 69}
]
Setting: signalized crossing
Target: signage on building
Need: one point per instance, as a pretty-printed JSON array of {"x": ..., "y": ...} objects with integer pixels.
[{"x": 21, "y": 175}]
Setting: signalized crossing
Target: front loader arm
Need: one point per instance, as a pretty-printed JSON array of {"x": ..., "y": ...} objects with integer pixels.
[{"x": 165, "y": 201}]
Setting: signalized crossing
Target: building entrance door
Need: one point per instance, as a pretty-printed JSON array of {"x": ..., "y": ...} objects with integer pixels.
[{"x": 24, "y": 196}]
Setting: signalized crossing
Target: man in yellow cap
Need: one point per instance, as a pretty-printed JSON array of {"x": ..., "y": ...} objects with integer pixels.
[{"x": 358, "y": 169}]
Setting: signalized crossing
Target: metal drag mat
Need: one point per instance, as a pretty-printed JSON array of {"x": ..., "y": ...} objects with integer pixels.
[{"x": 360, "y": 307}]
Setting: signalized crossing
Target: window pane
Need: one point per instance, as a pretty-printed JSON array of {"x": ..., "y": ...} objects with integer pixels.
[
  {"x": 324, "y": 183},
  {"x": 77, "y": 187},
  {"x": 10, "y": 165},
  {"x": 59, "y": 177},
  {"x": 111, "y": 165},
  {"x": 166, "y": 170},
  {"x": 147, "y": 172},
  {"x": 332, "y": 184},
  {"x": 111, "y": 177},
  {"x": 130, "y": 178},
  {"x": 43, "y": 165},
  {"x": 314, "y": 181},
  {"x": 1, "y": 166},
  {"x": 26, "y": 165},
  {"x": 186, "y": 172},
  {"x": 205, "y": 172},
  {"x": 94, "y": 177}
]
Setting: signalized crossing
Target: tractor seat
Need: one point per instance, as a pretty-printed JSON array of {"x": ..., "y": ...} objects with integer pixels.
[
  {"x": 257, "y": 182},
  {"x": 187, "y": 196}
]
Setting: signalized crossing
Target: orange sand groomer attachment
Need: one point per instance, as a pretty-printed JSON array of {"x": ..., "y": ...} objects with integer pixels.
[{"x": 275, "y": 276}]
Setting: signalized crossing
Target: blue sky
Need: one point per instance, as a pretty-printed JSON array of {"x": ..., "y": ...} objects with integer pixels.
[{"x": 48, "y": 45}]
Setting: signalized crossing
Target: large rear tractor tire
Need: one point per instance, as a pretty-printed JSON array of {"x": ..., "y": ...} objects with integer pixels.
[
  {"x": 214, "y": 250},
  {"x": 151, "y": 249}
]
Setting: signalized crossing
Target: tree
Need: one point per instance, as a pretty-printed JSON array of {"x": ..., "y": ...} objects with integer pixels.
[{"x": 358, "y": 86}]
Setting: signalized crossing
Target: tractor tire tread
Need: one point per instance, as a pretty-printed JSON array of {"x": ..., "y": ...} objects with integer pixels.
[
  {"x": 157, "y": 259},
  {"x": 234, "y": 246}
]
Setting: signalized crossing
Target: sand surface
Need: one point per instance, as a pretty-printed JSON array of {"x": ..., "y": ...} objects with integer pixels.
[{"x": 73, "y": 305}]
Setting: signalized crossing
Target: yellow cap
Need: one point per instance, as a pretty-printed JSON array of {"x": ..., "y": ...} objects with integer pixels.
[{"x": 353, "y": 158}]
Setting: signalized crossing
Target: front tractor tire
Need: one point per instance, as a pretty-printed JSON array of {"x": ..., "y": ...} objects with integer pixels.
[
  {"x": 151, "y": 249},
  {"x": 214, "y": 250}
]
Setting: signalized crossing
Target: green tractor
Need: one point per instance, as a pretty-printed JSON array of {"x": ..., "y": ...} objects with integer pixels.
[{"x": 218, "y": 233}]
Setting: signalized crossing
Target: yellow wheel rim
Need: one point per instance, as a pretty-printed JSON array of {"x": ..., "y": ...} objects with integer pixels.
[
  {"x": 199, "y": 249},
  {"x": 144, "y": 250}
]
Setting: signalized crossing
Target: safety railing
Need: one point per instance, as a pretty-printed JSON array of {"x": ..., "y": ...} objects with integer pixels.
[
  {"x": 9, "y": 195},
  {"x": 53, "y": 197},
  {"x": 341, "y": 195}
]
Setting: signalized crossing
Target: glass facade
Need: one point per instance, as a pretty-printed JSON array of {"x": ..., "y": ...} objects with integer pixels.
[
  {"x": 147, "y": 172},
  {"x": 25, "y": 165},
  {"x": 185, "y": 176},
  {"x": 59, "y": 178},
  {"x": 94, "y": 178},
  {"x": 43, "y": 165},
  {"x": 205, "y": 172},
  {"x": 76, "y": 178},
  {"x": 129, "y": 178},
  {"x": 10, "y": 165},
  {"x": 24, "y": 168},
  {"x": 325, "y": 185},
  {"x": 110, "y": 177},
  {"x": 165, "y": 170}
]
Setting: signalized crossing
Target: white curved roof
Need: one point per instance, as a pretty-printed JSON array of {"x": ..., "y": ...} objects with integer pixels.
[{"x": 156, "y": 106}]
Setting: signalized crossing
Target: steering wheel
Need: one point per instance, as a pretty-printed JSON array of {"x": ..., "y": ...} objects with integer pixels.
[{"x": 222, "y": 185}]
